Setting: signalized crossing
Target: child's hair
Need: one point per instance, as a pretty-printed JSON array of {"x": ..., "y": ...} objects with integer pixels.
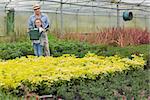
[{"x": 39, "y": 20}]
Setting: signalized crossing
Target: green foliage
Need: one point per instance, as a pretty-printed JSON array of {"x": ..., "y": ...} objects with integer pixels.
[
  {"x": 13, "y": 50},
  {"x": 129, "y": 50},
  {"x": 131, "y": 84},
  {"x": 6, "y": 96},
  {"x": 110, "y": 87},
  {"x": 79, "y": 49},
  {"x": 62, "y": 47}
]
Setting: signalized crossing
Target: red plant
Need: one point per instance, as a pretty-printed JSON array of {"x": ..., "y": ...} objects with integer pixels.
[{"x": 113, "y": 36}]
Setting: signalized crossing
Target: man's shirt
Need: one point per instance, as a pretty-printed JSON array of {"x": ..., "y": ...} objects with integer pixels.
[{"x": 44, "y": 18}]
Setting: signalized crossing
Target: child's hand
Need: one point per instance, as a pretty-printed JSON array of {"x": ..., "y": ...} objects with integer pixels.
[
  {"x": 28, "y": 30},
  {"x": 41, "y": 29}
]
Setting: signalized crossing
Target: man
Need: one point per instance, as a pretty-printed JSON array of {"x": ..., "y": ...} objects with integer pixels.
[{"x": 45, "y": 24}]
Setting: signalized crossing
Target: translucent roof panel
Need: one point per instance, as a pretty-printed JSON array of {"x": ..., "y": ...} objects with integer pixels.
[{"x": 79, "y": 6}]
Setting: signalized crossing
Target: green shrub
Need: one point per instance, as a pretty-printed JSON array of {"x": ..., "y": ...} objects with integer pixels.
[
  {"x": 134, "y": 83},
  {"x": 59, "y": 47},
  {"x": 13, "y": 50},
  {"x": 131, "y": 84}
]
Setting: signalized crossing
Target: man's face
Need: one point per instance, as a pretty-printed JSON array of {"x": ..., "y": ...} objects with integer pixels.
[{"x": 37, "y": 10}]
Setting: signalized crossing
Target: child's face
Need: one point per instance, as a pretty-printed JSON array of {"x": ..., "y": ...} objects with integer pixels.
[{"x": 38, "y": 23}]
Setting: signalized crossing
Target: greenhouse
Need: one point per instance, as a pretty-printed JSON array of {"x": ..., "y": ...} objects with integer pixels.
[
  {"x": 88, "y": 15},
  {"x": 82, "y": 49}
]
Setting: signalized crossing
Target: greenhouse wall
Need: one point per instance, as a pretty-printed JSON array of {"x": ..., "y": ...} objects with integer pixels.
[
  {"x": 75, "y": 22},
  {"x": 2, "y": 25}
]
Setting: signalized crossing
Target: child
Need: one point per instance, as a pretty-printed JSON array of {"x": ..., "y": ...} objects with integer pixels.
[{"x": 37, "y": 45}]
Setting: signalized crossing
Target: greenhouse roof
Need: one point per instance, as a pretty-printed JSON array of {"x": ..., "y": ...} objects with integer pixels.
[{"x": 80, "y": 6}]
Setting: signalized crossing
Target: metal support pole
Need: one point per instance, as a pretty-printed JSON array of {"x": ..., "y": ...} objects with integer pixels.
[
  {"x": 77, "y": 18},
  {"x": 10, "y": 21},
  {"x": 94, "y": 21},
  {"x": 93, "y": 11},
  {"x": 118, "y": 19},
  {"x": 56, "y": 20},
  {"x": 135, "y": 21},
  {"x": 109, "y": 16},
  {"x": 61, "y": 17},
  {"x": 146, "y": 20}
]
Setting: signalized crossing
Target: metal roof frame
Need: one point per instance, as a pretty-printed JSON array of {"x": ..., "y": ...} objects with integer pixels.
[{"x": 143, "y": 5}]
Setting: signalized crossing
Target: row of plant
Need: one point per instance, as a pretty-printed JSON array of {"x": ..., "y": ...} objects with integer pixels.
[
  {"x": 13, "y": 50},
  {"x": 132, "y": 85},
  {"x": 59, "y": 47},
  {"x": 112, "y": 36},
  {"x": 32, "y": 74},
  {"x": 84, "y": 88}
]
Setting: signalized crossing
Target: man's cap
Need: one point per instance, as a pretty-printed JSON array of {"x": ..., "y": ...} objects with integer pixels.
[{"x": 35, "y": 6}]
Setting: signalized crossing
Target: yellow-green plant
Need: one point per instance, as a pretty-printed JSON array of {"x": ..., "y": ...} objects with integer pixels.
[{"x": 51, "y": 69}]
